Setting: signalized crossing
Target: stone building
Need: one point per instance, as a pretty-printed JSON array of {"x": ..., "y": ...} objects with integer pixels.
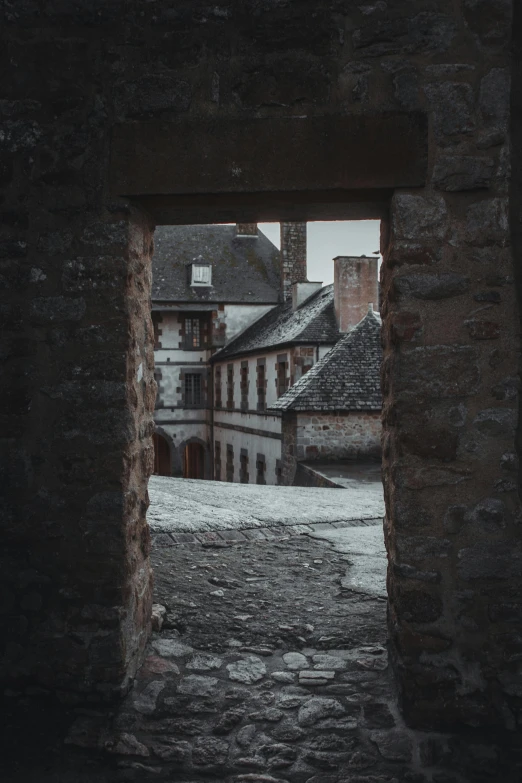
[
  {"x": 256, "y": 368},
  {"x": 334, "y": 411},
  {"x": 261, "y": 364},
  {"x": 121, "y": 116},
  {"x": 209, "y": 283},
  {"x": 236, "y": 323}
]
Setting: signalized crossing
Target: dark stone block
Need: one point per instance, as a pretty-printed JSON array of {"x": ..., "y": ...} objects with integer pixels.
[
  {"x": 153, "y": 95},
  {"x": 378, "y": 716},
  {"x": 489, "y": 19},
  {"x": 418, "y": 606},
  {"x": 426, "y": 32},
  {"x": 442, "y": 286},
  {"x": 490, "y": 560},
  {"x": 439, "y": 372},
  {"x": 407, "y": 90},
  {"x": 428, "y": 441},
  {"x": 463, "y": 172},
  {"x": 487, "y": 222},
  {"x": 495, "y": 422},
  {"x": 58, "y": 308},
  {"x": 483, "y": 330},
  {"x": 453, "y": 107}
]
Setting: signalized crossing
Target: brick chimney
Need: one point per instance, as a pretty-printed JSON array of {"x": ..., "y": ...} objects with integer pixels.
[
  {"x": 293, "y": 256},
  {"x": 356, "y": 286},
  {"x": 246, "y": 229}
]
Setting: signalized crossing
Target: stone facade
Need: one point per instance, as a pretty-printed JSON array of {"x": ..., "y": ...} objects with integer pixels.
[
  {"x": 342, "y": 436},
  {"x": 97, "y": 93}
]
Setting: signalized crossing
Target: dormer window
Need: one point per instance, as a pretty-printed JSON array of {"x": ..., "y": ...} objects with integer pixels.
[{"x": 201, "y": 274}]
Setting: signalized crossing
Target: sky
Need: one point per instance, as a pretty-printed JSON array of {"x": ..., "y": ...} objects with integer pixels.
[{"x": 327, "y": 239}]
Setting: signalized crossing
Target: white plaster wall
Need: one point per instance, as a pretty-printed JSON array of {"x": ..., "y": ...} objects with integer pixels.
[
  {"x": 255, "y": 444},
  {"x": 239, "y": 317},
  {"x": 169, "y": 383},
  {"x": 269, "y": 423},
  {"x": 270, "y": 374},
  {"x": 181, "y": 414},
  {"x": 170, "y": 330}
]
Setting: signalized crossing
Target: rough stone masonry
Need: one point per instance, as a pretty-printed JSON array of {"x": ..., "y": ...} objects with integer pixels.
[{"x": 408, "y": 108}]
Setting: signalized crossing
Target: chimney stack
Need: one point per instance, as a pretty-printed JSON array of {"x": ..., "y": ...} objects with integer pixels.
[
  {"x": 246, "y": 229},
  {"x": 356, "y": 285},
  {"x": 303, "y": 291},
  {"x": 293, "y": 256}
]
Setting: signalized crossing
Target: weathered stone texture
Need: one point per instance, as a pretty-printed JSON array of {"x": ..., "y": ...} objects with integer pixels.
[{"x": 77, "y": 337}]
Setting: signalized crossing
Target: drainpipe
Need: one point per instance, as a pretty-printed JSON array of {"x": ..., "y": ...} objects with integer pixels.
[{"x": 211, "y": 398}]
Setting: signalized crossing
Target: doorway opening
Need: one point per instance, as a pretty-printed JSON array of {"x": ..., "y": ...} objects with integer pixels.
[
  {"x": 194, "y": 461},
  {"x": 162, "y": 460}
]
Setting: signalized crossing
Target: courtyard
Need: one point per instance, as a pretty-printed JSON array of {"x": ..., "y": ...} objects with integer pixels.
[
  {"x": 188, "y": 506},
  {"x": 269, "y": 658}
]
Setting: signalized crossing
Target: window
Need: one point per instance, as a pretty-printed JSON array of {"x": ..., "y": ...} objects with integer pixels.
[
  {"x": 243, "y": 466},
  {"x": 217, "y": 461},
  {"x": 230, "y": 462},
  {"x": 244, "y": 386},
  {"x": 282, "y": 380},
  {"x": 201, "y": 274},
  {"x": 230, "y": 386},
  {"x": 261, "y": 385},
  {"x": 260, "y": 469},
  {"x": 192, "y": 333},
  {"x": 193, "y": 389},
  {"x": 217, "y": 387}
]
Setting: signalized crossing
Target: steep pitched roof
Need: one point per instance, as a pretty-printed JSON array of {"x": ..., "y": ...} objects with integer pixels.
[
  {"x": 313, "y": 322},
  {"x": 244, "y": 269},
  {"x": 347, "y": 378}
]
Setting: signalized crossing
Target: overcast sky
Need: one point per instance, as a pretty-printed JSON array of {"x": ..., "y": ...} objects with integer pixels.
[{"x": 325, "y": 240}]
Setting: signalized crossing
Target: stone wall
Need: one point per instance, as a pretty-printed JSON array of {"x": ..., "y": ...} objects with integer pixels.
[
  {"x": 75, "y": 263},
  {"x": 306, "y": 476},
  {"x": 308, "y": 436},
  {"x": 353, "y": 435}
]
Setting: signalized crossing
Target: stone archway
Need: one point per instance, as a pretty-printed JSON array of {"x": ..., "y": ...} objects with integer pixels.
[{"x": 244, "y": 136}]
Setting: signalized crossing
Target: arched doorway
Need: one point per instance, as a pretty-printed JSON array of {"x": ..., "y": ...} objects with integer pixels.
[
  {"x": 194, "y": 461},
  {"x": 162, "y": 464}
]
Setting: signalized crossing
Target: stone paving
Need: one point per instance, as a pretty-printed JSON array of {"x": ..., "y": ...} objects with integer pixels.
[
  {"x": 191, "y": 506},
  {"x": 267, "y": 667}
]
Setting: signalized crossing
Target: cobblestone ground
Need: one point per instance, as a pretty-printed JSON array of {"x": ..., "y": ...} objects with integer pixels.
[{"x": 267, "y": 669}]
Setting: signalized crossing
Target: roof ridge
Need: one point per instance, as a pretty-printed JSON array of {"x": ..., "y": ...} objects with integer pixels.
[
  {"x": 361, "y": 376},
  {"x": 314, "y": 323}
]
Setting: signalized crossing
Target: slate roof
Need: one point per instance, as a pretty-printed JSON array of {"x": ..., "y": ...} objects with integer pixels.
[
  {"x": 313, "y": 323},
  {"x": 347, "y": 378},
  {"x": 244, "y": 269}
]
